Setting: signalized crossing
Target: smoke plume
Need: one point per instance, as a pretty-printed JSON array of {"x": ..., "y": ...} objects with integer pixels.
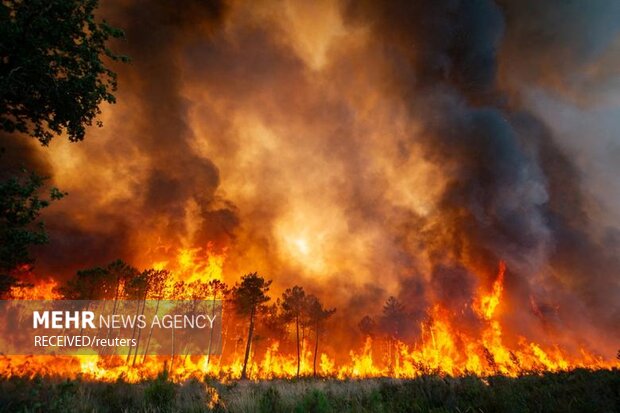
[{"x": 363, "y": 149}]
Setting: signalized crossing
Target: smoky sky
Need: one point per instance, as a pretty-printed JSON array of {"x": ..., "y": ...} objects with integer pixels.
[
  {"x": 403, "y": 150},
  {"x": 514, "y": 194},
  {"x": 173, "y": 174}
]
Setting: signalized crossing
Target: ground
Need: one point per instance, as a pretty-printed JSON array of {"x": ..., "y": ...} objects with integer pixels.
[{"x": 576, "y": 391}]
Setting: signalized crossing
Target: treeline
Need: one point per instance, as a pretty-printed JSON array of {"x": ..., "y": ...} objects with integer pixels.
[
  {"x": 247, "y": 300},
  {"x": 394, "y": 324}
]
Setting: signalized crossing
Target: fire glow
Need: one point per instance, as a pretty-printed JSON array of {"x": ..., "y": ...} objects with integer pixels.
[
  {"x": 360, "y": 151},
  {"x": 441, "y": 348}
]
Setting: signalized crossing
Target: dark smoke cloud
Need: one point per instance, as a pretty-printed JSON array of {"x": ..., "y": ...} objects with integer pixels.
[
  {"x": 569, "y": 63},
  {"x": 512, "y": 193},
  {"x": 157, "y": 33},
  {"x": 445, "y": 63},
  {"x": 556, "y": 41}
]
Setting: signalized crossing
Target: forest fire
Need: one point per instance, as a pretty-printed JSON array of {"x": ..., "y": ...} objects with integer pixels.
[
  {"x": 370, "y": 189},
  {"x": 441, "y": 348}
]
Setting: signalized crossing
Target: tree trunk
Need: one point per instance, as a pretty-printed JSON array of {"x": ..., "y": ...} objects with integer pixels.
[
  {"x": 298, "y": 351},
  {"x": 210, "y": 333},
  {"x": 316, "y": 348},
  {"x": 133, "y": 330},
  {"x": 185, "y": 353},
  {"x": 225, "y": 331},
  {"x": 135, "y": 355},
  {"x": 148, "y": 340},
  {"x": 247, "y": 347},
  {"x": 116, "y": 294},
  {"x": 172, "y": 351},
  {"x": 391, "y": 354}
]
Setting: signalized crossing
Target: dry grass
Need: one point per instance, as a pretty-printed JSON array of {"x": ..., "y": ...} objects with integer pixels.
[{"x": 576, "y": 391}]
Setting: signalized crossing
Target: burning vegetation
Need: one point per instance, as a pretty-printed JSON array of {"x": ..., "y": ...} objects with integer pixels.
[
  {"x": 395, "y": 190},
  {"x": 293, "y": 335}
]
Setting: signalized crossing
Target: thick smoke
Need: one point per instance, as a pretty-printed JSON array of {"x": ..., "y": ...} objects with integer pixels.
[
  {"x": 512, "y": 194},
  {"x": 170, "y": 191},
  {"x": 158, "y": 33},
  {"x": 361, "y": 149}
]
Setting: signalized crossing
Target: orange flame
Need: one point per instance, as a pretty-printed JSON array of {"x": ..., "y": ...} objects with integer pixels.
[
  {"x": 443, "y": 348},
  {"x": 488, "y": 303}
]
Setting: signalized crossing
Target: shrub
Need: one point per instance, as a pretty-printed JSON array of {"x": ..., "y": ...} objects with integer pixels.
[
  {"x": 160, "y": 393},
  {"x": 270, "y": 401},
  {"x": 314, "y": 401}
]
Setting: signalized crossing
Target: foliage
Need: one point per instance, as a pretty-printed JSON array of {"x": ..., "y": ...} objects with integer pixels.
[
  {"x": 52, "y": 81},
  {"x": 20, "y": 207},
  {"x": 160, "y": 392},
  {"x": 294, "y": 303},
  {"x": 250, "y": 293},
  {"x": 270, "y": 401},
  {"x": 217, "y": 289},
  {"x": 394, "y": 318},
  {"x": 52, "y": 72},
  {"x": 367, "y": 326},
  {"x": 248, "y": 296},
  {"x": 115, "y": 280},
  {"x": 316, "y": 312},
  {"x": 88, "y": 284},
  {"x": 314, "y": 401}
]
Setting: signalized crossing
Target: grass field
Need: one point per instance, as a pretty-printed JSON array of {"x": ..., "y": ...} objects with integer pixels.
[{"x": 576, "y": 391}]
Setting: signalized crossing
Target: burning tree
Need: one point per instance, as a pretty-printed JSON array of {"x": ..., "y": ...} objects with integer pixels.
[
  {"x": 317, "y": 315},
  {"x": 295, "y": 306},
  {"x": 305, "y": 311},
  {"x": 217, "y": 290},
  {"x": 88, "y": 284},
  {"x": 120, "y": 274},
  {"x": 137, "y": 289},
  {"x": 367, "y": 326},
  {"x": 274, "y": 322},
  {"x": 157, "y": 284},
  {"x": 393, "y": 322},
  {"x": 248, "y": 296}
]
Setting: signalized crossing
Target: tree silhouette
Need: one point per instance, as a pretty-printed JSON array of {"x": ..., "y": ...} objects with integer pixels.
[
  {"x": 394, "y": 318},
  {"x": 119, "y": 273},
  {"x": 20, "y": 207},
  {"x": 52, "y": 73},
  {"x": 294, "y": 306},
  {"x": 368, "y": 326},
  {"x": 393, "y": 322},
  {"x": 179, "y": 292},
  {"x": 53, "y": 79},
  {"x": 217, "y": 290},
  {"x": 213, "y": 290},
  {"x": 248, "y": 296},
  {"x": 88, "y": 284},
  {"x": 274, "y": 322},
  {"x": 157, "y": 285},
  {"x": 316, "y": 317},
  {"x": 136, "y": 289}
]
